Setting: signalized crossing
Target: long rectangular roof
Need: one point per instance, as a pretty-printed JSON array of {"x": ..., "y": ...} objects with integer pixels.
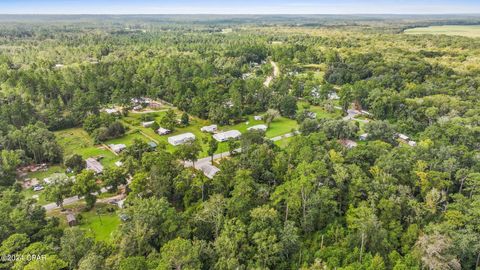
[{"x": 227, "y": 135}]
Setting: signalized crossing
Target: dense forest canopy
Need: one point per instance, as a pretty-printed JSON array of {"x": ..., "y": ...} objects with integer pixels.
[{"x": 309, "y": 204}]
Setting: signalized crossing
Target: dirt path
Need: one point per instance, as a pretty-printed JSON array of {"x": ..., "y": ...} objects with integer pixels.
[{"x": 276, "y": 73}]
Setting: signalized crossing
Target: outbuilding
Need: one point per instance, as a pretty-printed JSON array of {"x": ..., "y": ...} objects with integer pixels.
[
  {"x": 163, "y": 131},
  {"x": 94, "y": 165},
  {"x": 258, "y": 127},
  {"x": 348, "y": 143},
  {"x": 227, "y": 135},
  {"x": 209, "y": 129},
  {"x": 117, "y": 148},
  {"x": 258, "y": 118},
  {"x": 71, "y": 220},
  {"x": 148, "y": 124},
  {"x": 181, "y": 139},
  {"x": 364, "y": 137}
]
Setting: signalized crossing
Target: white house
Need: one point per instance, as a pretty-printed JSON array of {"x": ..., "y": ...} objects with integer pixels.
[
  {"x": 181, "y": 139},
  {"x": 403, "y": 137},
  {"x": 258, "y": 118},
  {"x": 147, "y": 124},
  {"x": 163, "y": 131},
  {"x": 333, "y": 96},
  {"x": 117, "y": 148},
  {"x": 364, "y": 137},
  {"x": 225, "y": 136},
  {"x": 111, "y": 111},
  {"x": 209, "y": 129},
  {"x": 258, "y": 127}
]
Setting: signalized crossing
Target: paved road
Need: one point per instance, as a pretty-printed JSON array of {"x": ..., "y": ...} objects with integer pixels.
[
  {"x": 198, "y": 165},
  {"x": 74, "y": 199},
  {"x": 208, "y": 160}
]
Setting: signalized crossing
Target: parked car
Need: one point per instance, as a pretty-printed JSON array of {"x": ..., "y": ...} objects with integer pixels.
[{"x": 37, "y": 188}]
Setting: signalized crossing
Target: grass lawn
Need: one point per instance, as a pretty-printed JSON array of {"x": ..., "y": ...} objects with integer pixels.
[
  {"x": 100, "y": 226},
  {"x": 29, "y": 193},
  {"x": 283, "y": 143},
  {"x": 77, "y": 141},
  {"x": 40, "y": 175},
  {"x": 278, "y": 127},
  {"x": 320, "y": 111},
  {"x": 450, "y": 30}
]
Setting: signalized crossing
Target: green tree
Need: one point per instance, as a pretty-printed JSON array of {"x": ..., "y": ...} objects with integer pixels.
[
  {"x": 86, "y": 186},
  {"x": 189, "y": 151},
  {"x": 75, "y": 162},
  {"x": 180, "y": 254},
  {"x": 59, "y": 189}
]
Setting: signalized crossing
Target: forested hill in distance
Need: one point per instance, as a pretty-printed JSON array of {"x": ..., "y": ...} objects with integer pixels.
[{"x": 239, "y": 142}]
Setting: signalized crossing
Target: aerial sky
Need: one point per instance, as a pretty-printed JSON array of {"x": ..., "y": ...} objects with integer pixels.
[{"x": 239, "y": 7}]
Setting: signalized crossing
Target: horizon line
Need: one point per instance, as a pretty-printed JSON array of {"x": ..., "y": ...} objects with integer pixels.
[{"x": 241, "y": 14}]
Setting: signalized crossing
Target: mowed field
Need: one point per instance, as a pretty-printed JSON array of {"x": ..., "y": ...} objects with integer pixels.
[{"x": 450, "y": 30}]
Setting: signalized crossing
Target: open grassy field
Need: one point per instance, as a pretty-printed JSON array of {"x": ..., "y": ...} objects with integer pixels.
[
  {"x": 450, "y": 30},
  {"x": 320, "y": 111},
  {"x": 97, "y": 223},
  {"x": 100, "y": 225},
  {"x": 77, "y": 141}
]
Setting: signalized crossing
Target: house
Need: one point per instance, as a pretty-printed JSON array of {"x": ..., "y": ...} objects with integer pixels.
[
  {"x": 403, "y": 137},
  {"x": 227, "y": 135},
  {"x": 181, "y": 139},
  {"x": 209, "y": 170},
  {"x": 71, "y": 220},
  {"x": 348, "y": 143},
  {"x": 152, "y": 145},
  {"x": 364, "y": 137},
  {"x": 148, "y": 124},
  {"x": 111, "y": 111},
  {"x": 117, "y": 148},
  {"x": 333, "y": 96},
  {"x": 94, "y": 165},
  {"x": 258, "y": 127},
  {"x": 258, "y": 117},
  {"x": 163, "y": 131},
  {"x": 209, "y": 129},
  {"x": 310, "y": 115}
]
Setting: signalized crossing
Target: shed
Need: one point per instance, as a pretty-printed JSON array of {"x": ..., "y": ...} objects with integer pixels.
[
  {"x": 117, "y": 148},
  {"x": 181, "y": 139},
  {"x": 227, "y": 135},
  {"x": 209, "y": 129},
  {"x": 148, "y": 124},
  {"x": 348, "y": 143},
  {"x": 258, "y": 118},
  {"x": 94, "y": 165},
  {"x": 71, "y": 220},
  {"x": 258, "y": 127},
  {"x": 163, "y": 131},
  {"x": 363, "y": 137},
  {"x": 152, "y": 144},
  {"x": 412, "y": 143}
]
